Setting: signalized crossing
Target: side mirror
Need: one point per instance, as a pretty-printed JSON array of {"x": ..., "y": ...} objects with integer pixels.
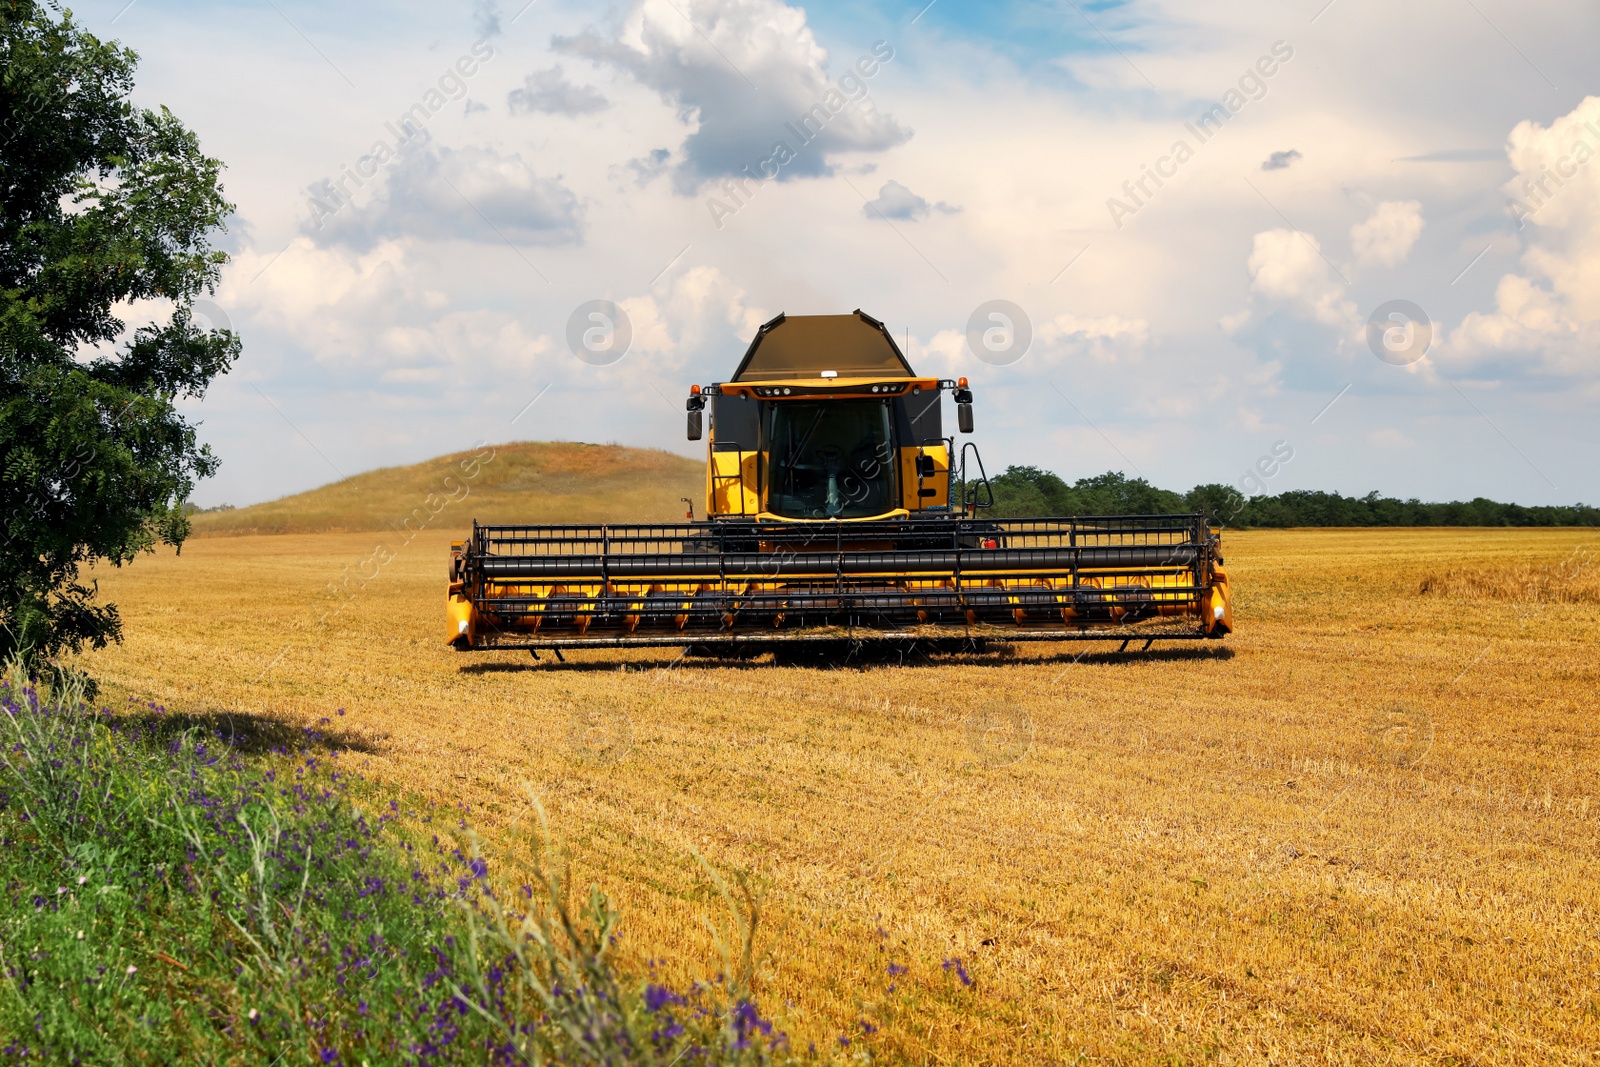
[
  {"x": 964, "y": 417},
  {"x": 694, "y": 425}
]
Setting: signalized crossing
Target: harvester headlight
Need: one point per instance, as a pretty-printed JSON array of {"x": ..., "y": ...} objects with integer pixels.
[
  {"x": 1216, "y": 613},
  {"x": 787, "y": 391},
  {"x": 461, "y": 627}
]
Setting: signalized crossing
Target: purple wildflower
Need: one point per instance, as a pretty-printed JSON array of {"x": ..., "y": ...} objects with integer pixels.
[
  {"x": 657, "y": 997},
  {"x": 954, "y": 963}
]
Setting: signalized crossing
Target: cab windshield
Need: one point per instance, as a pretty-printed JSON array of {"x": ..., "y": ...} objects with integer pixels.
[{"x": 831, "y": 460}]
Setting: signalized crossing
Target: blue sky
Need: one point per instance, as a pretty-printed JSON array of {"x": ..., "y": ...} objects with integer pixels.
[{"x": 1182, "y": 325}]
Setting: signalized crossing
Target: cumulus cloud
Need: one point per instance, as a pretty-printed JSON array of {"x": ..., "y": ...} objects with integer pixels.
[
  {"x": 1547, "y": 316},
  {"x": 475, "y": 193},
  {"x": 643, "y": 170},
  {"x": 748, "y": 75},
  {"x": 700, "y": 310},
  {"x": 896, "y": 201},
  {"x": 1288, "y": 268},
  {"x": 1107, "y": 339},
  {"x": 549, "y": 92},
  {"x": 1281, "y": 160},
  {"x": 1386, "y": 239},
  {"x": 368, "y": 311}
]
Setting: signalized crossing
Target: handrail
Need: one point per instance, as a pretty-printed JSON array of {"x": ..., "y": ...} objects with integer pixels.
[{"x": 983, "y": 474}]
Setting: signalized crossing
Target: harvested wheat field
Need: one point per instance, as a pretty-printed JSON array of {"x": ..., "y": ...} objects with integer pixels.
[{"x": 1361, "y": 830}]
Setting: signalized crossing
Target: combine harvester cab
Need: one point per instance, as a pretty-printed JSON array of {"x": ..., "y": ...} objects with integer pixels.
[{"x": 837, "y": 509}]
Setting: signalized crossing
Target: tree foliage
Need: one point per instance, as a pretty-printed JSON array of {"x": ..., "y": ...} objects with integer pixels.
[
  {"x": 1023, "y": 492},
  {"x": 102, "y": 205}
]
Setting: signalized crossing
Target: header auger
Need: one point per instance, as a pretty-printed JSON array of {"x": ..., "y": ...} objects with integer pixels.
[{"x": 836, "y": 509}]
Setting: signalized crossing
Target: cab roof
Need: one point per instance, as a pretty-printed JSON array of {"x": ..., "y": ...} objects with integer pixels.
[{"x": 803, "y": 346}]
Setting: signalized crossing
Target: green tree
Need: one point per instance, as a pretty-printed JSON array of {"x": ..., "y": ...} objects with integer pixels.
[
  {"x": 101, "y": 204},
  {"x": 1222, "y": 505},
  {"x": 1026, "y": 492},
  {"x": 1114, "y": 493}
]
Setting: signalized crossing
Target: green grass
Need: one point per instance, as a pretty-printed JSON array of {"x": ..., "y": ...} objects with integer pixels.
[{"x": 172, "y": 894}]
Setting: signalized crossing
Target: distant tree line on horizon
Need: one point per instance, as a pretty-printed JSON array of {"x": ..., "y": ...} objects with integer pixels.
[{"x": 1023, "y": 492}]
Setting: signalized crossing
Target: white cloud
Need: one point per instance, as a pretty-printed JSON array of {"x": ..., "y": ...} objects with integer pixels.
[
  {"x": 1386, "y": 239},
  {"x": 549, "y": 92},
  {"x": 1547, "y": 316},
  {"x": 1287, "y": 267},
  {"x": 699, "y": 310},
  {"x": 1107, "y": 339},
  {"x": 747, "y": 74},
  {"x": 475, "y": 193},
  {"x": 946, "y": 352},
  {"x": 369, "y": 312},
  {"x": 896, "y": 201}
]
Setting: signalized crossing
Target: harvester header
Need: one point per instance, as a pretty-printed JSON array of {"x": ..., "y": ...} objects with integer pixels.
[{"x": 836, "y": 509}]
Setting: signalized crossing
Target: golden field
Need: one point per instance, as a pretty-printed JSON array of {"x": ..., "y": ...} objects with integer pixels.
[{"x": 1360, "y": 830}]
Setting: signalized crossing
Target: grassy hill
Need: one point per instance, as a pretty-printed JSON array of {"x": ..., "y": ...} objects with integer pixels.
[{"x": 525, "y": 481}]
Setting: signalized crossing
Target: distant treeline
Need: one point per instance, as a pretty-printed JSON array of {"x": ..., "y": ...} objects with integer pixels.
[{"x": 1028, "y": 491}]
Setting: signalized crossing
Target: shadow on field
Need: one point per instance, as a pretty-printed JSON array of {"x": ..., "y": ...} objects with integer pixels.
[
  {"x": 241, "y": 732},
  {"x": 843, "y": 655},
  {"x": 1194, "y": 653}
]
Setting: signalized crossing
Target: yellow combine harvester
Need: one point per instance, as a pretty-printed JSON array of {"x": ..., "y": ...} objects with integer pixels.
[{"x": 837, "y": 509}]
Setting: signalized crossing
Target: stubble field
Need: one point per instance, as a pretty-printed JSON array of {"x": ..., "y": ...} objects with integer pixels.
[{"x": 1361, "y": 830}]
